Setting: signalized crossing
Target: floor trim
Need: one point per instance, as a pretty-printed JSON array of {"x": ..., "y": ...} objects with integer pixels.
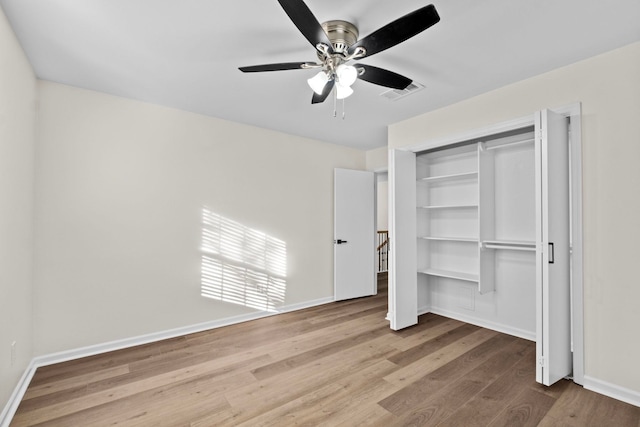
[
  {"x": 49, "y": 359},
  {"x": 14, "y": 400},
  {"x": 505, "y": 329},
  {"x": 623, "y": 394}
]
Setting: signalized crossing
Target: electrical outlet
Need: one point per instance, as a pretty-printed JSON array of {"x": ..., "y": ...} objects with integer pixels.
[{"x": 13, "y": 353}]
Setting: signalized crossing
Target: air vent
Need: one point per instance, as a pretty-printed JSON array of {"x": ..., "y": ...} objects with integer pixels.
[{"x": 395, "y": 94}]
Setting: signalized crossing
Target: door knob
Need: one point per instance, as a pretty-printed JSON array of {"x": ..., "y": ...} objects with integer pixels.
[{"x": 339, "y": 241}]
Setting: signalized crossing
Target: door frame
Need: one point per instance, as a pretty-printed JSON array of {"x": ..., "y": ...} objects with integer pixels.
[
  {"x": 376, "y": 174},
  {"x": 574, "y": 113}
]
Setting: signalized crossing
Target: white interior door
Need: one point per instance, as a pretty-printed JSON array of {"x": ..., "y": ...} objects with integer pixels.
[
  {"x": 403, "y": 268},
  {"x": 553, "y": 309},
  {"x": 354, "y": 234}
]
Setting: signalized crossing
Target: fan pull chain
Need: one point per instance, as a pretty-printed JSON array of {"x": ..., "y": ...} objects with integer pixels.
[{"x": 335, "y": 105}]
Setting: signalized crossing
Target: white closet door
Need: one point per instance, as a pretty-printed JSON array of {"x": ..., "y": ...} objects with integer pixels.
[
  {"x": 403, "y": 270},
  {"x": 553, "y": 319},
  {"x": 354, "y": 234}
]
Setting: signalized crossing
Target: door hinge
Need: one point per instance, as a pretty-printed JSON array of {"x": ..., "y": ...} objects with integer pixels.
[{"x": 542, "y": 362}]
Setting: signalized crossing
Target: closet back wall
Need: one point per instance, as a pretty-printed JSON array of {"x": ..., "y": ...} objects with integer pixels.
[
  {"x": 120, "y": 189},
  {"x": 609, "y": 89}
]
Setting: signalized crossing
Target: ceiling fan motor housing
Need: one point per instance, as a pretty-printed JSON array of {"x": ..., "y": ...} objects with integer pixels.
[{"x": 341, "y": 34}]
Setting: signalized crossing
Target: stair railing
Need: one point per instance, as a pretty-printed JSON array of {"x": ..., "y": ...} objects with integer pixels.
[{"x": 383, "y": 250}]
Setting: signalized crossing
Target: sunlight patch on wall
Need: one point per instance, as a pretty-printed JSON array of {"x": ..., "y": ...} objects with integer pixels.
[{"x": 241, "y": 265}]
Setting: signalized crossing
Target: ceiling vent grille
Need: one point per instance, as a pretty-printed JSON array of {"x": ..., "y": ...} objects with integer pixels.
[{"x": 395, "y": 94}]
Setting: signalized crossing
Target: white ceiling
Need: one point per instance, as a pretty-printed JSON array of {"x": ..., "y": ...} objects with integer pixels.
[{"x": 185, "y": 54}]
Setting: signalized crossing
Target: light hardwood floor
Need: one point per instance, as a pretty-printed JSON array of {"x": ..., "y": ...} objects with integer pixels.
[{"x": 336, "y": 365}]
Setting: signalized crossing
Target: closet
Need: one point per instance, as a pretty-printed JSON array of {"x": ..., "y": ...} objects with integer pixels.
[{"x": 480, "y": 232}]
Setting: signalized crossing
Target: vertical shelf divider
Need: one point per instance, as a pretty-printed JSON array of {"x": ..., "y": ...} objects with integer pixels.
[{"x": 486, "y": 217}]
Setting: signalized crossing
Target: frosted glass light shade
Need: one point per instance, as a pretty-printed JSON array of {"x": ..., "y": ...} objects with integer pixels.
[
  {"x": 318, "y": 82},
  {"x": 343, "y": 91},
  {"x": 347, "y": 75}
]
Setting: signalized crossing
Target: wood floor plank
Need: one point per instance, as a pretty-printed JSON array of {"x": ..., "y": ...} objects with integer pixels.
[
  {"x": 439, "y": 405},
  {"x": 579, "y": 407},
  {"x": 45, "y": 412},
  {"x": 278, "y": 349},
  {"x": 276, "y": 391},
  {"x": 526, "y": 410},
  {"x": 486, "y": 405},
  {"x": 368, "y": 415},
  {"x": 335, "y": 402},
  {"x": 297, "y": 345},
  {"x": 312, "y": 355},
  {"x": 142, "y": 378},
  {"x": 363, "y": 307},
  {"x": 112, "y": 359},
  {"x": 355, "y": 393},
  {"x": 548, "y": 421},
  {"x": 198, "y": 397},
  {"x": 295, "y": 411},
  {"x": 356, "y": 398},
  {"x": 418, "y": 369},
  {"x": 425, "y": 332},
  {"x": 73, "y": 382},
  {"x": 347, "y": 399},
  {"x": 412, "y": 395},
  {"x": 427, "y": 347},
  {"x": 337, "y": 364}
]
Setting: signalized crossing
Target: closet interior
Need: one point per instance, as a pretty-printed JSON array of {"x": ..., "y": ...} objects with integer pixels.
[
  {"x": 481, "y": 231},
  {"x": 476, "y": 231}
]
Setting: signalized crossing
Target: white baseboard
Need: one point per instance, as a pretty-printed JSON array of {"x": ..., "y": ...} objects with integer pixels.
[
  {"x": 49, "y": 359},
  {"x": 626, "y": 395},
  {"x": 12, "y": 405},
  {"x": 521, "y": 333}
]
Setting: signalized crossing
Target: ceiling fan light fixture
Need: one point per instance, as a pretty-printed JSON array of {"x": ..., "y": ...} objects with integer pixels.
[
  {"x": 318, "y": 82},
  {"x": 347, "y": 75},
  {"x": 343, "y": 92},
  {"x": 337, "y": 42}
]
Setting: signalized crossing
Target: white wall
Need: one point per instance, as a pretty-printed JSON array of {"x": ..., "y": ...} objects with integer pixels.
[
  {"x": 382, "y": 198},
  {"x": 609, "y": 88},
  {"x": 378, "y": 159},
  {"x": 120, "y": 189},
  {"x": 17, "y": 138}
]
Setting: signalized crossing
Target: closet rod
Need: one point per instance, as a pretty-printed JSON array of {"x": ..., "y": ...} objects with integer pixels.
[
  {"x": 509, "y": 144},
  {"x": 514, "y": 248}
]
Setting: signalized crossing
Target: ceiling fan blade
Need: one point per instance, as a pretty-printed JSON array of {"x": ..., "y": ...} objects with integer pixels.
[
  {"x": 279, "y": 67},
  {"x": 382, "y": 77},
  {"x": 308, "y": 25},
  {"x": 317, "y": 99},
  {"x": 398, "y": 31}
]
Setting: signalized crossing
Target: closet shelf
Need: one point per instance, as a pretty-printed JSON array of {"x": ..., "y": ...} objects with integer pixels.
[
  {"x": 450, "y": 239},
  {"x": 509, "y": 144},
  {"x": 451, "y": 177},
  {"x": 469, "y": 277},
  {"x": 449, "y": 207}
]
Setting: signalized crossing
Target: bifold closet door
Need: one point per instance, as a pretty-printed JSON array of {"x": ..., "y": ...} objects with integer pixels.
[
  {"x": 403, "y": 280},
  {"x": 553, "y": 312}
]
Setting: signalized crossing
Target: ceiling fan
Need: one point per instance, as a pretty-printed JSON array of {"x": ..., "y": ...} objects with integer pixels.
[{"x": 337, "y": 44}]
